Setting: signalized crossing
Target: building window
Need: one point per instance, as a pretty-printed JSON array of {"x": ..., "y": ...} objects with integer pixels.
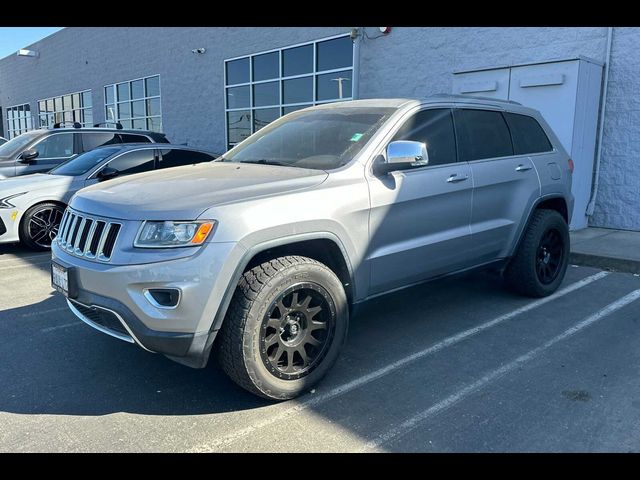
[
  {"x": 66, "y": 109},
  {"x": 135, "y": 104},
  {"x": 19, "y": 120},
  {"x": 260, "y": 88}
]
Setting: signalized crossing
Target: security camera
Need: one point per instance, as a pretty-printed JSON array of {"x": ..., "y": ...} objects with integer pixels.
[{"x": 199, "y": 50}]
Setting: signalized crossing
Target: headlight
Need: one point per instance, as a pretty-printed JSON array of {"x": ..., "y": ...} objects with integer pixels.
[
  {"x": 173, "y": 234},
  {"x": 5, "y": 203}
]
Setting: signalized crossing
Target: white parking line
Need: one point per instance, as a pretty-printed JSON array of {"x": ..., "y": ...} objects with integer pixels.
[
  {"x": 58, "y": 327},
  {"x": 43, "y": 312},
  {"x": 13, "y": 259},
  {"x": 26, "y": 265},
  {"x": 408, "y": 425},
  {"x": 220, "y": 442}
]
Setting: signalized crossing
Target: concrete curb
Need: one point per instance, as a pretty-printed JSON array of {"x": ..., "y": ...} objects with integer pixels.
[{"x": 607, "y": 263}]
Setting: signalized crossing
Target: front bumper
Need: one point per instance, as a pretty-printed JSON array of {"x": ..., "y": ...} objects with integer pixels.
[
  {"x": 106, "y": 295},
  {"x": 9, "y": 221}
]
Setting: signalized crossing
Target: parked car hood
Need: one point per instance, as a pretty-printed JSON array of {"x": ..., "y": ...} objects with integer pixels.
[
  {"x": 183, "y": 193},
  {"x": 35, "y": 181}
]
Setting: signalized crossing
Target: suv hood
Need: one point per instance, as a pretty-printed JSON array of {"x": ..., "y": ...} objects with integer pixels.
[{"x": 184, "y": 193}]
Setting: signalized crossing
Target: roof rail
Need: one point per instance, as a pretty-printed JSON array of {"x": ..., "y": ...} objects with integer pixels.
[
  {"x": 60, "y": 124},
  {"x": 454, "y": 95},
  {"x": 117, "y": 124}
]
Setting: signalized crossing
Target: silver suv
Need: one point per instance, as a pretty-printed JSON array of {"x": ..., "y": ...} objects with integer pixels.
[{"x": 261, "y": 255}]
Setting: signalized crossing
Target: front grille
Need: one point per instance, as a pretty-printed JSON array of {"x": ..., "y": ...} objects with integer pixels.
[
  {"x": 104, "y": 318},
  {"x": 3, "y": 229},
  {"x": 87, "y": 236}
]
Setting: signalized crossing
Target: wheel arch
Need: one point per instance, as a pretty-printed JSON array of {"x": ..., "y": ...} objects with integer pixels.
[
  {"x": 554, "y": 202},
  {"x": 324, "y": 247}
]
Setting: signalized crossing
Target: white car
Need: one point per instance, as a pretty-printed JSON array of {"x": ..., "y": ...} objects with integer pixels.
[{"x": 31, "y": 206}]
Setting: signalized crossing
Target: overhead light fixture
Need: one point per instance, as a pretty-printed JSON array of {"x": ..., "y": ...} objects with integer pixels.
[{"x": 23, "y": 52}]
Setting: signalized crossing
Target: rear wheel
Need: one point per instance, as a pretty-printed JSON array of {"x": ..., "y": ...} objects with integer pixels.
[
  {"x": 540, "y": 263},
  {"x": 40, "y": 224},
  {"x": 285, "y": 327}
]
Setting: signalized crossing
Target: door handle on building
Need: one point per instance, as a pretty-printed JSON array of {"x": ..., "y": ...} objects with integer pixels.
[{"x": 522, "y": 168}]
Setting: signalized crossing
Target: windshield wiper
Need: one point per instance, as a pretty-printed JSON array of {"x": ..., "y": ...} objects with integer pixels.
[{"x": 264, "y": 161}]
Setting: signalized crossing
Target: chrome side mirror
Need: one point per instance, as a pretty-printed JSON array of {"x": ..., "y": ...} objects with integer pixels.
[{"x": 402, "y": 155}]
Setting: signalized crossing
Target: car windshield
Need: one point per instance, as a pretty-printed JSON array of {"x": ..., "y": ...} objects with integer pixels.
[
  {"x": 16, "y": 144},
  {"x": 85, "y": 162},
  {"x": 321, "y": 139}
]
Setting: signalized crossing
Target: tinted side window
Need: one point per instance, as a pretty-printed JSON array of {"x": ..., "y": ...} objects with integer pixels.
[
  {"x": 97, "y": 139},
  {"x": 527, "y": 134},
  {"x": 435, "y": 128},
  {"x": 132, "y": 138},
  {"x": 59, "y": 145},
  {"x": 177, "y": 158},
  {"x": 134, "y": 162},
  {"x": 482, "y": 134}
]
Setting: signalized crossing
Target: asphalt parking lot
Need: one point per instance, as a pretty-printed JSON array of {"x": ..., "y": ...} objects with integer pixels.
[{"x": 459, "y": 364}]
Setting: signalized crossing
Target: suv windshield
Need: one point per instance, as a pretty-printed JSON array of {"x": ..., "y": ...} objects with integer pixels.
[
  {"x": 16, "y": 144},
  {"x": 321, "y": 139},
  {"x": 85, "y": 162}
]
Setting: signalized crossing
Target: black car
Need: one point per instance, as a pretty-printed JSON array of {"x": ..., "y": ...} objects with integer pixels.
[{"x": 41, "y": 150}]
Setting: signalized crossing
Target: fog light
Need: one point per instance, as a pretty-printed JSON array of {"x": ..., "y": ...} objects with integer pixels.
[{"x": 163, "y": 297}]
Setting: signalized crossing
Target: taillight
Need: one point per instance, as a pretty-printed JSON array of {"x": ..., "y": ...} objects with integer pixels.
[{"x": 571, "y": 165}]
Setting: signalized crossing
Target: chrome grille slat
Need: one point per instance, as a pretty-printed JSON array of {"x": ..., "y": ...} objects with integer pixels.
[
  {"x": 70, "y": 234},
  {"x": 78, "y": 235},
  {"x": 87, "y": 236},
  {"x": 87, "y": 245},
  {"x": 67, "y": 226},
  {"x": 62, "y": 238},
  {"x": 65, "y": 216}
]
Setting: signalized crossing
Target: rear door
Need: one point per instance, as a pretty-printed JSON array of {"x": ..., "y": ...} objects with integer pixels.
[
  {"x": 505, "y": 182},
  {"x": 52, "y": 150},
  {"x": 91, "y": 140}
]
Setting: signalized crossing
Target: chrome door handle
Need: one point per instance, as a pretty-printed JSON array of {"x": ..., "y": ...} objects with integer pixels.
[
  {"x": 522, "y": 168},
  {"x": 455, "y": 178}
]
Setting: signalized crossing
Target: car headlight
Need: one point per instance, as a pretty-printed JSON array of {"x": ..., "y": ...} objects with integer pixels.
[
  {"x": 5, "y": 203},
  {"x": 173, "y": 234}
]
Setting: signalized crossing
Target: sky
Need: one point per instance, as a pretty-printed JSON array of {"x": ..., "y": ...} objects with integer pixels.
[{"x": 13, "y": 39}]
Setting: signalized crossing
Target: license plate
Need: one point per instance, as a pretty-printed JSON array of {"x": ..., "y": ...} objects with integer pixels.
[{"x": 60, "y": 278}]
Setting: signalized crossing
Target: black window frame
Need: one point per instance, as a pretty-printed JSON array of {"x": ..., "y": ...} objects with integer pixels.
[
  {"x": 81, "y": 146},
  {"x": 513, "y": 144},
  {"x": 160, "y": 156},
  {"x": 458, "y": 131},
  {"x": 116, "y": 156},
  {"x": 453, "y": 125}
]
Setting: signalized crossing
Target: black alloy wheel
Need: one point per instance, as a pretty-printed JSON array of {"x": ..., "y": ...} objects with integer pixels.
[
  {"x": 549, "y": 256},
  {"x": 297, "y": 330}
]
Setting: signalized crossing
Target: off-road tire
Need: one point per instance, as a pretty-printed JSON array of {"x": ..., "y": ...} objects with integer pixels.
[
  {"x": 240, "y": 348},
  {"x": 521, "y": 273}
]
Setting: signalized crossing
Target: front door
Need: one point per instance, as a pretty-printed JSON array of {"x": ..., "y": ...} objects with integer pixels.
[
  {"x": 419, "y": 220},
  {"x": 52, "y": 151}
]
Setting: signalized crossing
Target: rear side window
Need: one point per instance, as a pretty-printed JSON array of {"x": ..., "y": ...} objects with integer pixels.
[
  {"x": 527, "y": 134},
  {"x": 97, "y": 139},
  {"x": 482, "y": 134},
  {"x": 134, "y": 162},
  {"x": 132, "y": 138},
  {"x": 178, "y": 157},
  {"x": 433, "y": 127}
]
